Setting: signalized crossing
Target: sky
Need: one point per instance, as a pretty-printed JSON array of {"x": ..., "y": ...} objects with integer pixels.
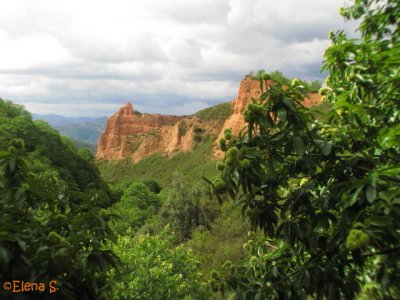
[{"x": 87, "y": 58}]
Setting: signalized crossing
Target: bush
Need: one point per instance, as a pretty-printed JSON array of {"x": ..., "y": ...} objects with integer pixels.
[
  {"x": 137, "y": 205},
  {"x": 155, "y": 268},
  {"x": 187, "y": 207}
]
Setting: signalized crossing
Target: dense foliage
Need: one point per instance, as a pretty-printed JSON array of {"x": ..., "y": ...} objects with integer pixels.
[
  {"x": 155, "y": 268},
  {"x": 319, "y": 189},
  {"x": 187, "y": 207},
  {"x": 326, "y": 193},
  {"x": 223, "y": 241},
  {"x": 52, "y": 217},
  {"x": 136, "y": 206}
]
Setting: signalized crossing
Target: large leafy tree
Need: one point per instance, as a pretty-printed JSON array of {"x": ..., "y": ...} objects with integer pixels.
[
  {"x": 137, "y": 205},
  {"x": 187, "y": 207},
  {"x": 155, "y": 268},
  {"x": 52, "y": 222},
  {"x": 326, "y": 194}
]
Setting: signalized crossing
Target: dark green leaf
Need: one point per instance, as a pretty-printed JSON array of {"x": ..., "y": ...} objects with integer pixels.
[
  {"x": 371, "y": 193},
  {"x": 298, "y": 145}
]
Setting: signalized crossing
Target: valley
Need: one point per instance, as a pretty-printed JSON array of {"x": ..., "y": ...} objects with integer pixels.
[{"x": 289, "y": 190}]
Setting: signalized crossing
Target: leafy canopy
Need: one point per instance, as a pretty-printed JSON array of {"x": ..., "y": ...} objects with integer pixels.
[
  {"x": 326, "y": 193},
  {"x": 155, "y": 268},
  {"x": 52, "y": 217}
]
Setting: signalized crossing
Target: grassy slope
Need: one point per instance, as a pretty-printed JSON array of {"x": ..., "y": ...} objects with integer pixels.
[
  {"x": 192, "y": 165},
  {"x": 219, "y": 112}
]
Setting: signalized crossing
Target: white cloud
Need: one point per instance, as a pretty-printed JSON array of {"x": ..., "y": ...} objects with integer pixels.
[{"x": 166, "y": 56}]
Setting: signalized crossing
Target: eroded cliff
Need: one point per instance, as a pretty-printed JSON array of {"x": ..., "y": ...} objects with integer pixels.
[
  {"x": 248, "y": 89},
  {"x": 130, "y": 134}
]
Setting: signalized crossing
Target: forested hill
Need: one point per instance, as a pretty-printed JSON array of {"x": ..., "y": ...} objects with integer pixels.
[{"x": 52, "y": 212}]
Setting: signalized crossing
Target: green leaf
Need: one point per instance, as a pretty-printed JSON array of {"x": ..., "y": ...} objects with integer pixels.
[
  {"x": 298, "y": 145},
  {"x": 306, "y": 279},
  {"x": 371, "y": 193},
  {"x": 4, "y": 257},
  {"x": 324, "y": 146},
  {"x": 289, "y": 103},
  {"x": 12, "y": 164},
  {"x": 380, "y": 221},
  {"x": 19, "y": 193},
  {"x": 4, "y": 154},
  {"x": 282, "y": 113},
  {"x": 355, "y": 197},
  {"x": 275, "y": 271}
]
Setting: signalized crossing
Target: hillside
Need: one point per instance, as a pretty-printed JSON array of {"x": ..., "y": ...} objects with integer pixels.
[
  {"x": 49, "y": 211},
  {"x": 192, "y": 165},
  {"x": 281, "y": 193},
  {"x": 85, "y": 131}
]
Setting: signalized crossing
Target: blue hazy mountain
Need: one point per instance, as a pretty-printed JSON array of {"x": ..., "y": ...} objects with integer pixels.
[{"x": 80, "y": 129}]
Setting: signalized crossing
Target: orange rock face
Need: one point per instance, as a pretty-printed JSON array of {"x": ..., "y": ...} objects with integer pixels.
[
  {"x": 134, "y": 135},
  {"x": 124, "y": 129},
  {"x": 130, "y": 134},
  {"x": 250, "y": 88}
]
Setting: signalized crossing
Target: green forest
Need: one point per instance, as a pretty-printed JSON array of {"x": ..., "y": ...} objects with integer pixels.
[{"x": 305, "y": 203}]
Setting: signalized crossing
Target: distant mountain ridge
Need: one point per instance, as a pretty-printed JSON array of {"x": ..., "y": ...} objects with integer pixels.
[
  {"x": 59, "y": 120},
  {"x": 83, "y": 130}
]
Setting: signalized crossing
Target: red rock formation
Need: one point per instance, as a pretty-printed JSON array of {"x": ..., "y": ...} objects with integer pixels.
[
  {"x": 175, "y": 138},
  {"x": 124, "y": 128},
  {"x": 135, "y": 135},
  {"x": 248, "y": 88}
]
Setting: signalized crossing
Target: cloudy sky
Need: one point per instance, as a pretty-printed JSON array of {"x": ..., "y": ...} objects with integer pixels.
[{"x": 87, "y": 58}]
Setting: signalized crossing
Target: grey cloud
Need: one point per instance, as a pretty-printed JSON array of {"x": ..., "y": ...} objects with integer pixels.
[
  {"x": 194, "y": 11},
  {"x": 166, "y": 56},
  {"x": 143, "y": 48},
  {"x": 286, "y": 20}
]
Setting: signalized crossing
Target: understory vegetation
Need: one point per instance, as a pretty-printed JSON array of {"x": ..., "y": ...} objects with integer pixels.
[
  {"x": 192, "y": 165},
  {"x": 305, "y": 203}
]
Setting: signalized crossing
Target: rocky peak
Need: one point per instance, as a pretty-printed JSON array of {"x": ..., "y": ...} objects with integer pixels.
[
  {"x": 127, "y": 109},
  {"x": 116, "y": 140},
  {"x": 248, "y": 88}
]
